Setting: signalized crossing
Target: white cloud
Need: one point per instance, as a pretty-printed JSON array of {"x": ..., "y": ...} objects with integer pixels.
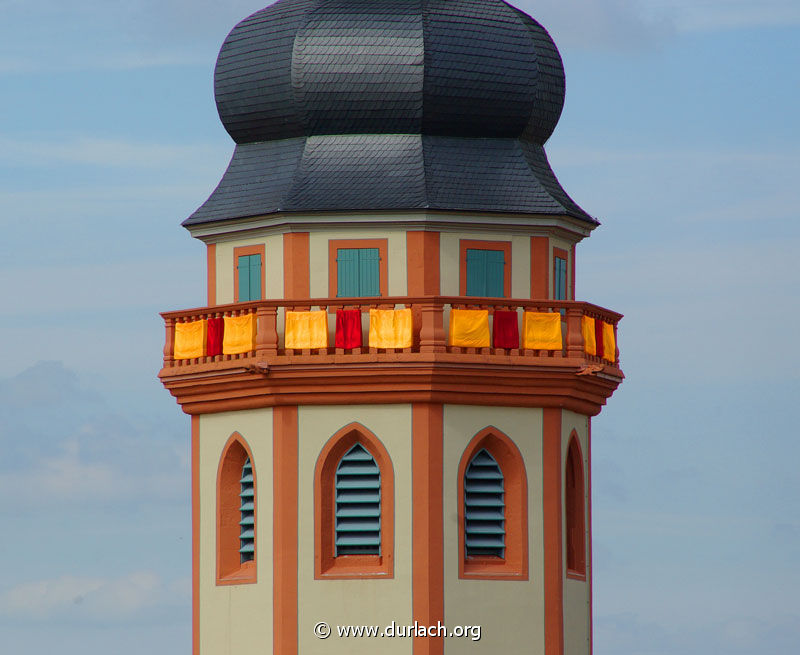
[{"x": 93, "y": 598}]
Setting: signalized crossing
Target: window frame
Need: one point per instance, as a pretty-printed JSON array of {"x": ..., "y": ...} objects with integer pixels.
[
  {"x": 383, "y": 264},
  {"x": 575, "y": 520},
  {"x": 230, "y": 569},
  {"x": 241, "y": 251},
  {"x": 560, "y": 253},
  {"x": 473, "y": 244},
  {"x": 514, "y": 566},
  {"x": 327, "y": 565}
]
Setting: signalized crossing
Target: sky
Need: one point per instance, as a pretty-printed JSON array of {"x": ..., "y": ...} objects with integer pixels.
[{"x": 680, "y": 133}]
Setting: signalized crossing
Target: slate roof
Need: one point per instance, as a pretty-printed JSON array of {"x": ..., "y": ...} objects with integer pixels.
[{"x": 388, "y": 105}]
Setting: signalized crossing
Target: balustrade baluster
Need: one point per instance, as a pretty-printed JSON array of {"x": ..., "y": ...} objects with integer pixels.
[
  {"x": 169, "y": 343},
  {"x": 266, "y": 332},
  {"x": 431, "y": 334},
  {"x": 574, "y": 335}
]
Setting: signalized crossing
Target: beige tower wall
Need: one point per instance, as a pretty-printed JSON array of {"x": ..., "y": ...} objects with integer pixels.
[
  {"x": 577, "y": 593},
  {"x": 450, "y": 264},
  {"x": 319, "y": 264},
  {"x": 510, "y": 613},
  {"x": 273, "y": 265},
  {"x": 235, "y": 619},
  {"x": 359, "y": 602}
]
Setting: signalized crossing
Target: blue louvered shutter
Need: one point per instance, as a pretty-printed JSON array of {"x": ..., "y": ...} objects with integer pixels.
[
  {"x": 249, "y": 271},
  {"x": 560, "y": 283},
  {"x": 485, "y": 273},
  {"x": 484, "y": 507},
  {"x": 358, "y": 504},
  {"x": 247, "y": 509},
  {"x": 369, "y": 272}
]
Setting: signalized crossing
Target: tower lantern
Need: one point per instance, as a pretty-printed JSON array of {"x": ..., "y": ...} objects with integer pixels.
[{"x": 392, "y": 385}]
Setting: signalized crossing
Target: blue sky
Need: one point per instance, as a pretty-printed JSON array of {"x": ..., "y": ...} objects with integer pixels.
[{"x": 680, "y": 132}]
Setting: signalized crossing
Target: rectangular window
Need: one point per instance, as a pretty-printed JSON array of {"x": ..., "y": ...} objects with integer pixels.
[
  {"x": 249, "y": 274},
  {"x": 485, "y": 268},
  {"x": 357, "y": 268},
  {"x": 358, "y": 272},
  {"x": 485, "y": 273},
  {"x": 249, "y": 268},
  {"x": 559, "y": 274}
]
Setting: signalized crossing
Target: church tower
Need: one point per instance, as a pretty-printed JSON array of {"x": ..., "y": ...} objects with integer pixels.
[{"x": 392, "y": 385}]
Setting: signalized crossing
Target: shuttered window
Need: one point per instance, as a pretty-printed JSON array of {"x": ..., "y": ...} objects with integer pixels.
[
  {"x": 560, "y": 278},
  {"x": 247, "y": 510},
  {"x": 484, "y": 507},
  {"x": 248, "y": 269},
  {"x": 358, "y": 272},
  {"x": 358, "y": 504},
  {"x": 485, "y": 273}
]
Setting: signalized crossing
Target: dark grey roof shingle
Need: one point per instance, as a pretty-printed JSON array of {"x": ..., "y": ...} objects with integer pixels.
[
  {"x": 388, "y": 104},
  {"x": 384, "y": 172}
]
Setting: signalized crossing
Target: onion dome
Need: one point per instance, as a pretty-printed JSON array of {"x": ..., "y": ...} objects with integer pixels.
[{"x": 358, "y": 105}]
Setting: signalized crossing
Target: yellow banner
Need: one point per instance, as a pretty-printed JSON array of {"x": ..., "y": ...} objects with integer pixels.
[
  {"x": 469, "y": 328},
  {"x": 541, "y": 331},
  {"x": 609, "y": 343},
  {"x": 239, "y": 334},
  {"x": 390, "y": 328},
  {"x": 307, "y": 329},
  {"x": 587, "y": 329},
  {"x": 190, "y": 339}
]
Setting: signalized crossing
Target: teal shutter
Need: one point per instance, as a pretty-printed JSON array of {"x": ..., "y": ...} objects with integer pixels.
[
  {"x": 495, "y": 269},
  {"x": 484, "y": 507},
  {"x": 243, "y": 270},
  {"x": 358, "y": 272},
  {"x": 560, "y": 282},
  {"x": 247, "y": 509},
  {"x": 369, "y": 266},
  {"x": 358, "y": 504},
  {"x": 255, "y": 277},
  {"x": 347, "y": 272},
  {"x": 485, "y": 273},
  {"x": 476, "y": 272},
  {"x": 249, "y": 271}
]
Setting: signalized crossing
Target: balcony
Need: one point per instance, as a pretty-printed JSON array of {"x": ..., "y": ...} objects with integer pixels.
[{"x": 431, "y": 369}]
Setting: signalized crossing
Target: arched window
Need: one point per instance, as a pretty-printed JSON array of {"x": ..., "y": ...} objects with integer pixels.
[
  {"x": 354, "y": 507},
  {"x": 236, "y": 514},
  {"x": 484, "y": 509},
  {"x": 358, "y": 504},
  {"x": 493, "y": 509},
  {"x": 574, "y": 503},
  {"x": 247, "y": 524}
]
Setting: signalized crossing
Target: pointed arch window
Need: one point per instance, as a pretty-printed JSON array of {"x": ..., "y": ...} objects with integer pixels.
[
  {"x": 358, "y": 504},
  {"x": 493, "y": 509},
  {"x": 484, "y": 508},
  {"x": 574, "y": 510},
  {"x": 236, "y": 514},
  {"x": 354, "y": 507},
  {"x": 247, "y": 535}
]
